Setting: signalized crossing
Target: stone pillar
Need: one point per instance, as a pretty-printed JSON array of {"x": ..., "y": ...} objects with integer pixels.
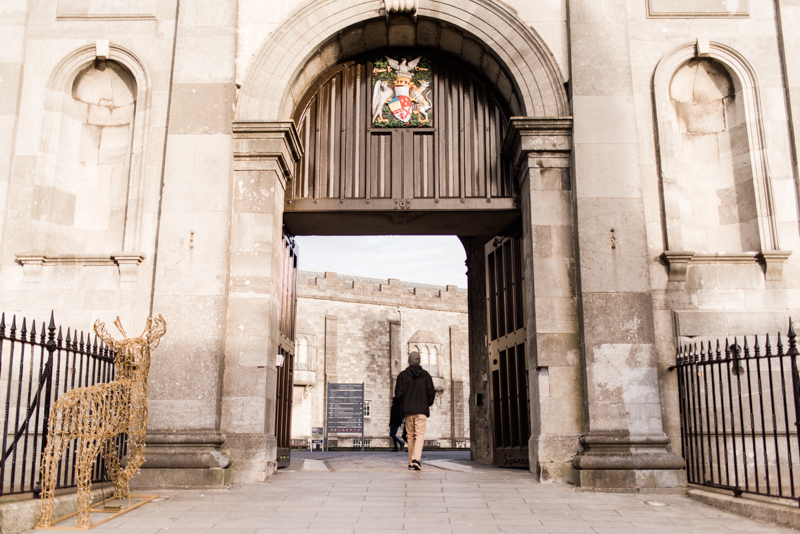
[
  {"x": 264, "y": 157},
  {"x": 184, "y": 438},
  {"x": 395, "y": 353},
  {"x": 540, "y": 150},
  {"x": 331, "y": 349},
  {"x": 456, "y": 385},
  {"x": 624, "y": 446},
  {"x": 480, "y": 430}
]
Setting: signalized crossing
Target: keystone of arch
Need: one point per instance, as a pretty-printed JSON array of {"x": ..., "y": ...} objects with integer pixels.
[{"x": 267, "y": 94}]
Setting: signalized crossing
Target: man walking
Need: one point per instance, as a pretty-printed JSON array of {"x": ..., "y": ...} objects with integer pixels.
[{"x": 415, "y": 392}]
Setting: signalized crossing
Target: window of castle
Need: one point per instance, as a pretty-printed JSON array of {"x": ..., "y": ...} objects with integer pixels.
[{"x": 301, "y": 361}]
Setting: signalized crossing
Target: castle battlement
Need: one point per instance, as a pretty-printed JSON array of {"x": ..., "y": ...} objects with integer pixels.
[{"x": 378, "y": 291}]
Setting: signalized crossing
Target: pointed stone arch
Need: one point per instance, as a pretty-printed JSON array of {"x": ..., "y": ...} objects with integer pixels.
[{"x": 321, "y": 33}]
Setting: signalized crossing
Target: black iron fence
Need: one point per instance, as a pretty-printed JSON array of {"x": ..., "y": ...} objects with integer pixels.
[
  {"x": 740, "y": 405},
  {"x": 36, "y": 367}
]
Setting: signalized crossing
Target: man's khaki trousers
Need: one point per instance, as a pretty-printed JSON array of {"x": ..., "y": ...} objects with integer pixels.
[{"x": 415, "y": 428}]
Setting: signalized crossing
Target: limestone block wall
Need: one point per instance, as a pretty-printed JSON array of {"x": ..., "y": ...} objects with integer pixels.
[
  {"x": 79, "y": 223},
  {"x": 718, "y": 296},
  {"x": 349, "y": 324}
]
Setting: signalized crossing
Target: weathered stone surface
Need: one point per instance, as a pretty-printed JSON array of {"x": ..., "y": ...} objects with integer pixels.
[{"x": 684, "y": 146}]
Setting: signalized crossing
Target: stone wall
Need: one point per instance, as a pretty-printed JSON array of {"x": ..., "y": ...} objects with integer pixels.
[
  {"x": 642, "y": 228},
  {"x": 361, "y": 330}
]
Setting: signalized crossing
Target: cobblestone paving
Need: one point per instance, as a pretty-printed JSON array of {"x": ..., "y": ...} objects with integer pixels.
[{"x": 374, "y": 492}]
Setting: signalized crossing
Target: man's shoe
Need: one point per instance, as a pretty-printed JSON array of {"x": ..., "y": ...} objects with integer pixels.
[
  {"x": 416, "y": 465},
  {"x": 411, "y": 467}
]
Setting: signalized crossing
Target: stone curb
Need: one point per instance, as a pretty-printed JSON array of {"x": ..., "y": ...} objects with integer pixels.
[
  {"x": 778, "y": 514},
  {"x": 16, "y": 517}
]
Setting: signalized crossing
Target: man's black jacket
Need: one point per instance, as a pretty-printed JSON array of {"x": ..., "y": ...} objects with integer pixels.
[{"x": 414, "y": 390}]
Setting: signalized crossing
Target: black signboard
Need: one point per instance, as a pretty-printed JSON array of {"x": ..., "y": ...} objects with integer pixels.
[{"x": 345, "y": 412}]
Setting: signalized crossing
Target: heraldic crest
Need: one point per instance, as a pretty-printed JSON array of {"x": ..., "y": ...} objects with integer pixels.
[{"x": 401, "y": 92}]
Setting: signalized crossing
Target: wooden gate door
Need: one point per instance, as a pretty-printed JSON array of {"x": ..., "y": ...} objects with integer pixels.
[
  {"x": 510, "y": 407},
  {"x": 285, "y": 364}
]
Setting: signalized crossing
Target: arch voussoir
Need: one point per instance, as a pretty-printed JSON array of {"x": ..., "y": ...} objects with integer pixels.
[{"x": 483, "y": 32}]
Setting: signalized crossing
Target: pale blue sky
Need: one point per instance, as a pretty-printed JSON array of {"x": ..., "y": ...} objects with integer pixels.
[{"x": 435, "y": 260}]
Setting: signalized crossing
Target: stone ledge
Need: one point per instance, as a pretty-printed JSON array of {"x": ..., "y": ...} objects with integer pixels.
[
  {"x": 23, "y": 515},
  {"x": 771, "y": 512},
  {"x": 678, "y": 261},
  {"x": 149, "y": 479},
  {"x": 127, "y": 263}
]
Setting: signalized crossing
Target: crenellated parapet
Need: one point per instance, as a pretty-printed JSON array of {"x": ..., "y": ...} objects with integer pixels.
[{"x": 391, "y": 292}]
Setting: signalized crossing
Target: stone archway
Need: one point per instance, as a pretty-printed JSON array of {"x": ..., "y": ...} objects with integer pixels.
[
  {"x": 320, "y": 34},
  {"x": 536, "y": 145}
]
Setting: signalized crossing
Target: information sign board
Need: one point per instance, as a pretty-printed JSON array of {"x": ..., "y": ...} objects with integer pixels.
[{"x": 345, "y": 410}]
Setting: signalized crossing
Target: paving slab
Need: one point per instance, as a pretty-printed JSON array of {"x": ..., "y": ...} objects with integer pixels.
[{"x": 360, "y": 493}]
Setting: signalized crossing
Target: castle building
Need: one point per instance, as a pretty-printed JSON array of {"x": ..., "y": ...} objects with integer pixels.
[
  {"x": 355, "y": 329},
  {"x": 623, "y": 176}
]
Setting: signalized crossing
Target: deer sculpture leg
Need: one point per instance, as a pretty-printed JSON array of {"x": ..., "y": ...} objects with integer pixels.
[
  {"x": 137, "y": 429},
  {"x": 113, "y": 468},
  {"x": 53, "y": 452},
  {"x": 88, "y": 449}
]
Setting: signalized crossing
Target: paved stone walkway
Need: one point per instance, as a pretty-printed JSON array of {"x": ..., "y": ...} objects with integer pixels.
[{"x": 375, "y": 492}]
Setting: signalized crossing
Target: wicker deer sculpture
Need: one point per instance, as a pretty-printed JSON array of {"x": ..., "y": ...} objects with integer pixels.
[{"x": 97, "y": 415}]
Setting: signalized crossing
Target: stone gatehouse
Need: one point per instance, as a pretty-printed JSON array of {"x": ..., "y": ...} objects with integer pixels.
[
  {"x": 355, "y": 329},
  {"x": 623, "y": 176}
]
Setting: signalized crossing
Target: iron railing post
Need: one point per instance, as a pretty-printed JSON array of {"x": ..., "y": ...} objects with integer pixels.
[
  {"x": 48, "y": 370},
  {"x": 793, "y": 353}
]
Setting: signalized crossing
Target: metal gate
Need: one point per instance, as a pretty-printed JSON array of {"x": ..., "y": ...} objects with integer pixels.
[
  {"x": 510, "y": 406},
  {"x": 285, "y": 362}
]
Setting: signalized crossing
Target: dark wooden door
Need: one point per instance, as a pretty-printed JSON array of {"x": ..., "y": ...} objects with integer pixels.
[
  {"x": 288, "y": 314},
  {"x": 508, "y": 367},
  {"x": 349, "y": 163}
]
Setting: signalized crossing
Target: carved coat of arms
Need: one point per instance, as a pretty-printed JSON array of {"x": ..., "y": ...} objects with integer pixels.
[{"x": 402, "y": 92}]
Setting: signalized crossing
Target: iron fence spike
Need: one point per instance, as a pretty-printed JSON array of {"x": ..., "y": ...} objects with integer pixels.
[{"x": 792, "y": 339}]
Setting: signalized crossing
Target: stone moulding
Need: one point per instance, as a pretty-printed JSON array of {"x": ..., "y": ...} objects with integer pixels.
[
  {"x": 542, "y": 138},
  {"x": 610, "y": 451},
  {"x": 672, "y": 9},
  {"x": 401, "y": 6},
  {"x": 678, "y": 262},
  {"x": 127, "y": 263},
  {"x": 256, "y": 142},
  {"x": 115, "y": 18}
]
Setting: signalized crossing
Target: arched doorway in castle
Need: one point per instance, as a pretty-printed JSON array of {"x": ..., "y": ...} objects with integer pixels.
[
  {"x": 409, "y": 141},
  {"x": 416, "y": 125}
]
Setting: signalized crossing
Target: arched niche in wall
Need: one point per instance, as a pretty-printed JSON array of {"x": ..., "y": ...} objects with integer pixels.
[
  {"x": 87, "y": 205},
  {"x": 716, "y": 190}
]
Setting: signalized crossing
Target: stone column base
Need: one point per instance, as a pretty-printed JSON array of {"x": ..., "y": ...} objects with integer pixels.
[
  {"x": 628, "y": 463},
  {"x": 184, "y": 460},
  {"x": 254, "y": 456}
]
